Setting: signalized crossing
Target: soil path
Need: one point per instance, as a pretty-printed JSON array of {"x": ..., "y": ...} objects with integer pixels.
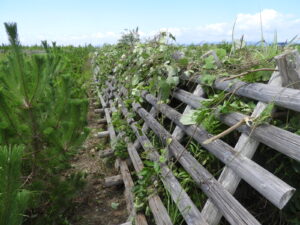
[{"x": 97, "y": 204}]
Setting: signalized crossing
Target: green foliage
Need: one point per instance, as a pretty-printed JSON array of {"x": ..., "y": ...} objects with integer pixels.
[
  {"x": 120, "y": 148},
  {"x": 60, "y": 197},
  {"x": 43, "y": 107},
  {"x": 146, "y": 185},
  {"x": 13, "y": 199},
  {"x": 121, "y": 126},
  {"x": 209, "y": 63},
  {"x": 266, "y": 115}
]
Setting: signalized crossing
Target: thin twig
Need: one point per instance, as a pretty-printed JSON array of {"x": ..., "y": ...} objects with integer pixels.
[
  {"x": 247, "y": 72},
  {"x": 229, "y": 130}
]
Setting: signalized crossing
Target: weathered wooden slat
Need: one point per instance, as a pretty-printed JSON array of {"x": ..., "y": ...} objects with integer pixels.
[
  {"x": 179, "y": 196},
  {"x": 110, "y": 128},
  {"x": 95, "y": 104},
  {"x": 245, "y": 146},
  {"x": 127, "y": 223},
  {"x": 281, "y": 140},
  {"x": 140, "y": 219},
  {"x": 232, "y": 210},
  {"x": 145, "y": 128},
  {"x": 102, "y": 134},
  {"x": 157, "y": 208},
  {"x": 113, "y": 181},
  {"x": 99, "y": 111},
  {"x": 285, "y": 97},
  {"x": 271, "y": 187},
  {"x": 128, "y": 183},
  {"x": 289, "y": 66},
  {"x": 135, "y": 158},
  {"x": 106, "y": 153}
]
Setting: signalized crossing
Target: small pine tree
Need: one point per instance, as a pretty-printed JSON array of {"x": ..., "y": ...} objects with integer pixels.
[
  {"x": 13, "y": 200},
  {"x": 43, "y": 107}
]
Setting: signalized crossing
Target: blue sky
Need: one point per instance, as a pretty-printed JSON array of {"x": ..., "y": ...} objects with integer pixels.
[{"x": 89, "y": 21}]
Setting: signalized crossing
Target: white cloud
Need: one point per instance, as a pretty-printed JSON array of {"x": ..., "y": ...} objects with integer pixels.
[
  {"x": 249, "y": 25},
  {"x": 285, "y": 25}
]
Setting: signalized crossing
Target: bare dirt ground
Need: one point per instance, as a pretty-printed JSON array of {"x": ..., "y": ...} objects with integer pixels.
[{"x": 97, "y": 204}]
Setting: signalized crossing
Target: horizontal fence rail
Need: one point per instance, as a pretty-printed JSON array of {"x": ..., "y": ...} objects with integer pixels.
[{"x": 285, "y": 97}]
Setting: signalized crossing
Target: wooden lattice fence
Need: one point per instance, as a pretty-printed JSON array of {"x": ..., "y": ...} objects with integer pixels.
[{"x": 282, "y": 89}]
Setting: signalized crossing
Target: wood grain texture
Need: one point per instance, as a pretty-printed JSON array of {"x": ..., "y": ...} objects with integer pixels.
[
  {"x": 99, "y": 111},
  {"x": 289, "y": 66},
  {"x": 106, "y": 153},
  {"x": 113, "y": 181},
  {"x": 102, "y": 134}
]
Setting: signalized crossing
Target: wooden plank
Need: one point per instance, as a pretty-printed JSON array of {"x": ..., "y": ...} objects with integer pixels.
[
  {"x": 106, "y": 153},
  {"x": 271, "y": 187},
  {"x": 281, "y": 140},
  {"x": 128, "y": 183},
  {"x": 102, "y": 134},
  {"x": 285, "y": 97},
  {"x": 113, "y": 181},
  {"x": 145, "y": 127},
  {"x": 103, "y": 103},
  {"x": 135, "y": 158},
  {"x": 110, "y": 128},
  {"x": 232, "y": 210},
  {"x": 245, "y": 146},
  {"x": 289, "y": 66},
  {"x": 127, "y": 223},
  {"x": 140, "y": 219},
  {"x": 99, "y": 111}
]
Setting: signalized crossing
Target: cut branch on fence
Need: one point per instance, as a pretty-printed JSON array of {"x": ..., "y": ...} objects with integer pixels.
[{"x": 281, "y": 140}]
